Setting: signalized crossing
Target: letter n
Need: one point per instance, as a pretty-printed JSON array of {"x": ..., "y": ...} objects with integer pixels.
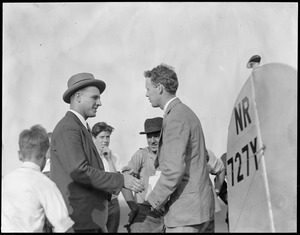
[{"x": 238, "y": 119}]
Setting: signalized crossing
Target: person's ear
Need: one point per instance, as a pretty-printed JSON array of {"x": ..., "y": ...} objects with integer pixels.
[
  {"x": 78, "y": 96},
  {"x": 161, "y": 88}
]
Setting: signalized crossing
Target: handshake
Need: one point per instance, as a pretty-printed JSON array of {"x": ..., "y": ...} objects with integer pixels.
[{"x": 132, "y": 180}]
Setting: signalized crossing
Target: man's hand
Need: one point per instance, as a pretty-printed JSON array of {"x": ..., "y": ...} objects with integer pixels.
[
  {"x": 106, "y": 152},
  {"x": 132, "y": 183}
]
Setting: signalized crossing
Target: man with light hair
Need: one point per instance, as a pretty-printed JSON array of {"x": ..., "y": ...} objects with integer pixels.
[
  {"x": 28, "y": 196},
  {"x": 183, "y": 191}
]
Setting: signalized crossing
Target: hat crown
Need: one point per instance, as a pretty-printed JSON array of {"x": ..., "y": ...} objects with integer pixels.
[
  {"x": 79, "y": 78},
  {"x": 79, "y": 81},
  {"x": 152, "y": 125}
]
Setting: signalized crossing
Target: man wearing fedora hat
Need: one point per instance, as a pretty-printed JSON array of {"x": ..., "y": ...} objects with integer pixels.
[
  {"x": 76, "y": 166},
  {"x": 141, "y": 217},
  {"x": 184, "y": 187}
]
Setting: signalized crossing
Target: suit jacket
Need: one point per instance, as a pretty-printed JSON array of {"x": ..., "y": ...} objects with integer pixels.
[
  {"x": 184, "y": 186},
  {"x": 78, "y": 171}
]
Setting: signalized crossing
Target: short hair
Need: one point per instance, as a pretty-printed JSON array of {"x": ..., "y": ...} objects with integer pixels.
[
  {"x": 101, "y": 126},
  {"x": 165, "y": 75},
  {"x": 34, "y": 141}
]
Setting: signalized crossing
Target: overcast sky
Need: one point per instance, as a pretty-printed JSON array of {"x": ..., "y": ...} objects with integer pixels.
[{"x": 208, "y": 44}]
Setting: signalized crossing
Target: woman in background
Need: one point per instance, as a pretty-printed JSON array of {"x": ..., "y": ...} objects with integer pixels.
[{"x": 101, "y": 132}]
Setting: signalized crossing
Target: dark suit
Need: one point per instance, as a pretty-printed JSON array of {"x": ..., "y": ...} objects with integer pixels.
[
  {"x": 184, "y": 184},
  {"x": 78, "y": 171}
]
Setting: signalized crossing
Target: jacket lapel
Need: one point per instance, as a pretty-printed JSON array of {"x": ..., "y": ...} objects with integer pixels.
[
  {"x": 89, "y": 140},
  {"x": 170, "y": 106}
]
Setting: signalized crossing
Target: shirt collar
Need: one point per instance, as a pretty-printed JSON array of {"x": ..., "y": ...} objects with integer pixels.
[
  {"x": 151, "y": 154},
  {"x": 166, "y": 105},
  {"x": 80, "y": 117},
  {"x": 31, "y": 165}
]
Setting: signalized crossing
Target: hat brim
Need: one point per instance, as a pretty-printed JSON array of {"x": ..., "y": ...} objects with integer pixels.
[
  {"x": 98, "y": 83},
  {"x": 143, "y": 132}
]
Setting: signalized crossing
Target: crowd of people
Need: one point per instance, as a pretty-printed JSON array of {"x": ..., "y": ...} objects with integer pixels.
[{"x": 70, "y": 179}]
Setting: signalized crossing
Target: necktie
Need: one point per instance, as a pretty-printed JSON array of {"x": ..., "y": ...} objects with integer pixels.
[
  {"x": 88, "y": 128},
  {"x": 156, "y": 163}
]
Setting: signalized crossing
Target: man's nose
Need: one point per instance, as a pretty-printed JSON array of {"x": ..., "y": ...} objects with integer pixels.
[{"x": 99, "y": 103}]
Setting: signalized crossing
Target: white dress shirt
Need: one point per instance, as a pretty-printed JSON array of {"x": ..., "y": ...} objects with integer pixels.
[
  {"x": 27, "y": 197},
  {"x": 117, "y": 164},
  {"x": 115, "y": 160},
  {"x": 80, "y": 117}
]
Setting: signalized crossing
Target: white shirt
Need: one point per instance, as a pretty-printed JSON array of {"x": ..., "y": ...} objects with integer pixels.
[
  {"x": 115, "y": 160},
  {"x": 80, "y": 117},
  {"x": 215, "y": 166},
  {"x": 27, "y": 197},
  {"x": 117, "y": 165},
  {"x": 47, "y": 166}
]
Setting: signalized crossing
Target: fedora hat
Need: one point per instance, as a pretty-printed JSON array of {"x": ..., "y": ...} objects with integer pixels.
[
  {"x": 79, "y": 81},
  {"x": 152, "y": 125}
]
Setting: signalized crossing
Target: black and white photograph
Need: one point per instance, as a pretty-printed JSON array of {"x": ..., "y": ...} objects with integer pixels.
[{"x": 133, "y": 117}]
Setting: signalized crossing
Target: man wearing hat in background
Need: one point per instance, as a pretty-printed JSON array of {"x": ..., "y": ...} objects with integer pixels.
[
  {"x": 76, "y": 167},
  {"x": 142, "y": 218}
]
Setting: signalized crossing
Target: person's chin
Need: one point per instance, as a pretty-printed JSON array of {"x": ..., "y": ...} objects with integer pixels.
[
  {"x": 93, "y": 114},
  {"x": 154, "y": 105}
]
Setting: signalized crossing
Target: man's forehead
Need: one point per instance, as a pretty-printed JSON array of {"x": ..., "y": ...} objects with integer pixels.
[
  {"x": 157, "y": 133},
  {"x": 149, "y": 82}
]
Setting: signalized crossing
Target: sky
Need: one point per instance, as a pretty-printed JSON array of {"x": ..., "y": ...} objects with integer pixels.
[{"x": 208, "y": 44}]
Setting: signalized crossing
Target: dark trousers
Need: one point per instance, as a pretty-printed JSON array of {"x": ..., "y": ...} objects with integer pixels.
[
  {"x": 47, "y": 226},
  {"x": 113, "y": 220}
]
